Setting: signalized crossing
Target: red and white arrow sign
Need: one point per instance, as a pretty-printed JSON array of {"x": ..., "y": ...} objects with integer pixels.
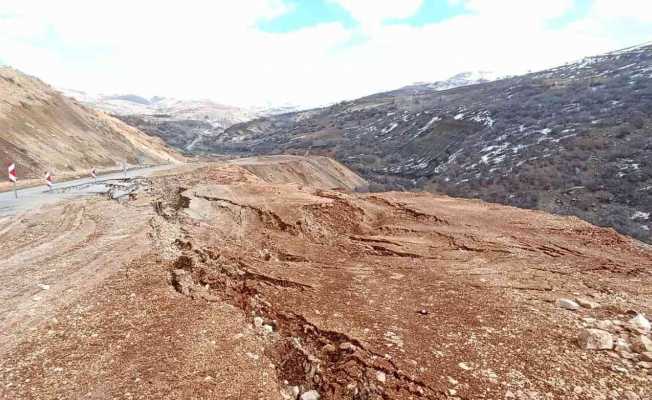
[
  {"x": 48, "y": 179},
  {"x": 12, "y": 172},
  {"x": 93, "y": 173}
]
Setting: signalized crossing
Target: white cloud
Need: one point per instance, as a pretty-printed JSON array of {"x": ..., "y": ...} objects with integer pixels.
[
  {"x": 195, "y": 48},
  {"x": 523, "y": 9},
  {"x": 640, "y": 10},
  {"x": 374, "y": 12}
]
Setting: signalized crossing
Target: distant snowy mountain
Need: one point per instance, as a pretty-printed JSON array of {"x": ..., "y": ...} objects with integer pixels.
[
  {"x": 218, "y": 115},
  {"x": 181, "y": 123},
  {"x": 466, "y": 79},
  {"x": 459, "y": 80}
]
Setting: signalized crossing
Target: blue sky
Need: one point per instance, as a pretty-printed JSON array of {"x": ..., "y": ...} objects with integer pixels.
[
  {"x": 306, "y": 52},
  {"x": 306, "y": 13}
]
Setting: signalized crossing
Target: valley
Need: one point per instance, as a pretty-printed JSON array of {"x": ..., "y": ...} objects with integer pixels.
[
  {"x": 480, "y": 237},
  {"x": 572, "y": 140}
]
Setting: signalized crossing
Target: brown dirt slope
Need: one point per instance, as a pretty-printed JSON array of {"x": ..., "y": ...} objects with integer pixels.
[
  {"x": 246, "y": 289},
  {"x": 316, "y": 171},
  {"x": 41, "y": 129}
]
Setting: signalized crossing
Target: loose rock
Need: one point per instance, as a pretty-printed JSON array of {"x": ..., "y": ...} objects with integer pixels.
[
  {"x": 346, "y": 346},
  {"x": 595, "y": 339},
  {"x": 629, "y": 395},
  {"x": 640, "y": 322},
  {"x": 310, "y": 395},
  {"x": 587, "y": 303},
  {"x": 464, "y": 366},
  {"x": 568, "y": 304},
  {"x": 182, "y": 281},
  {"x": 605, "y": 325},
  {"x": 622, "y": 345},
  {"x": 642, "y": 344}
]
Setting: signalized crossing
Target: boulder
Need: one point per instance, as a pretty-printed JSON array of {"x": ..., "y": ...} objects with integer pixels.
[{"x": 595, "y": 339}]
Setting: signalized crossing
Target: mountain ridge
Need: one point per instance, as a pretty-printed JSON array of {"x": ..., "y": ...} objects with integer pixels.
[{"x": 529, "y": 141}]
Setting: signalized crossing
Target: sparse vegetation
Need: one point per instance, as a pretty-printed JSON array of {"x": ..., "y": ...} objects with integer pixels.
[{"x": 523, "y": 141}]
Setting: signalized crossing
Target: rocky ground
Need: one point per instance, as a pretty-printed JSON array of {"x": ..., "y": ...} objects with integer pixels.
[{"x": 261, "y": 280}]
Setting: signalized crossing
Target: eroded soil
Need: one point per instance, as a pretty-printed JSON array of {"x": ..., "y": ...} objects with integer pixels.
[{"x": 216, "y": 283}]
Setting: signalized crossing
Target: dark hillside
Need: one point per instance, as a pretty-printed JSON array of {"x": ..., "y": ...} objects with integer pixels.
[{"x": 576, "y": 139}]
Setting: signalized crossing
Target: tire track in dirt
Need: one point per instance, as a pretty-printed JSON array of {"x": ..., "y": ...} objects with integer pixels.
[{"x": 74, "y": 247}]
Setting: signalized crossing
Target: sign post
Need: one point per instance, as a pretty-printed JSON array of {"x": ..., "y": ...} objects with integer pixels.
[
  {"x": 94, "y": 174},
  {"x": 13, "y": 177},
  {"x": 48, "y": 180}
]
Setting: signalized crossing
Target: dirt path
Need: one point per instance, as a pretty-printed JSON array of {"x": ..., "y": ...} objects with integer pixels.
[{"x": 225, "y": 282}]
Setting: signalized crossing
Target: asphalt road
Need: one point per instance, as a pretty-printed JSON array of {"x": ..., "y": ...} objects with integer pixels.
[{"x": 33, "y": 197}]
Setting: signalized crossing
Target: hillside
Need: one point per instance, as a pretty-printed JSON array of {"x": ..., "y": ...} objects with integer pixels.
[
  {"x": 180, "y": 123},
  {"x": 43, "y": 130},
  {"x": 259, "y": 279},
  {"x": 191, "y": 126},
  {"x": 570, "y": 140}
]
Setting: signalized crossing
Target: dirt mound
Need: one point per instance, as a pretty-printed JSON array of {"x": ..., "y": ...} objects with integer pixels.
[
  {"x": 41, "y": 129},
  {"x": 315, "y": 171},
  {"x": 253, "y": 289}
]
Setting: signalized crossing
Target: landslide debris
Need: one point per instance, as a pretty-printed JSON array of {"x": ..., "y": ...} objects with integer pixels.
[{"x": 280, "y": 290}]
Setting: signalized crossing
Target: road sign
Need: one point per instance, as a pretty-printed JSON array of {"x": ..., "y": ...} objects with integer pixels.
[
  {"x": 12, "y": 172},
  {"x": 13, "y": 177},
  {"x": 48, "y": 179}
]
